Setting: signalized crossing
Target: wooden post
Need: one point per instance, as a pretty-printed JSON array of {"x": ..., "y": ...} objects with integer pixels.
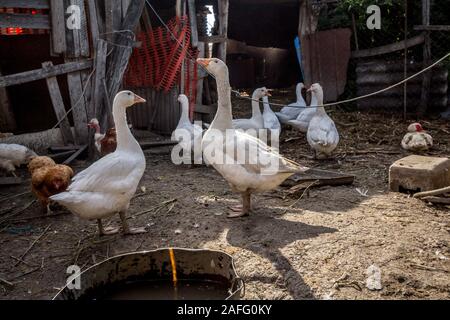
[
  {"x": 223, "y": 28},
  {"x": 100, "y": 74},
  {"x": 58, "y": 21},
  {"x": 93, "y": 22},
  {"x": 405, "y": 71},
  {"x": 78, "y": 102},
  {"x": 118, "y": 61},
  {"x": 7, "y": 119},
  {"x": 193, "y": 22},
  {"x": 426, "y": 82},
  {"x": 58, "y": 106}
]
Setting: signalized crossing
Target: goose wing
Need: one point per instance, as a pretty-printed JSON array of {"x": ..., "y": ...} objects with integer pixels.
[{"x": 111, "y": 174}]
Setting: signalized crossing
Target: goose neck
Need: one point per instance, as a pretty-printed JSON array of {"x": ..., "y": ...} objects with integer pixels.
[
  {"x": 223, "y": 118},
  {"x": 125, "y": 140}
]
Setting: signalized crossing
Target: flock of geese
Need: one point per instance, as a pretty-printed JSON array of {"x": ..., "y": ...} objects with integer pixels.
[{"x": 107, "y": 186}]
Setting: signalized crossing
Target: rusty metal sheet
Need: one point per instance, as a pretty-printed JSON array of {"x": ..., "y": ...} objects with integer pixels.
[{"x": 325, "y": 60}]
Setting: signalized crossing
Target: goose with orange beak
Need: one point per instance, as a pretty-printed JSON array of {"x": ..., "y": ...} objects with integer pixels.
[
  {"x": 108, "y": 185},
  {"x": 260, "y": 168}
]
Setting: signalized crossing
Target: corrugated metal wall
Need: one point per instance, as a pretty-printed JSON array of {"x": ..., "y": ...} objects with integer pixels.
[
  {"x": 160, "y": 114},
  {"x": 376, "y": 75}
]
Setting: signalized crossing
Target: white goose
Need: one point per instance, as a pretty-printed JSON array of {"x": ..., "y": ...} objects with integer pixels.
[
  {"x": 256, "y": 121},
  {"x": 187, "y": 134},
  {"x": 417, "y": 139},
  {"x": 271, "y": 121},
  {"x": 292, "y": 111},
  {"x": 305, "y": 116},
  {"x": 107, "y": 186},
  {"x": 322, "y": 134},
  {"x": 264, "y": 169}
]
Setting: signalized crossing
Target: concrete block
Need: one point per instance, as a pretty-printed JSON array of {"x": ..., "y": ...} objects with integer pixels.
[{"x": 419, "y": 173}]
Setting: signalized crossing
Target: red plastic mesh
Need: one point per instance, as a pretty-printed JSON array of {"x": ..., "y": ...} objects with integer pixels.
[{"x": 158, "y": 62}]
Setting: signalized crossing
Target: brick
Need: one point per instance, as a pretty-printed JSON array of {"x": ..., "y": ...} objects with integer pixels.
[{"x": 419, "y": 173}]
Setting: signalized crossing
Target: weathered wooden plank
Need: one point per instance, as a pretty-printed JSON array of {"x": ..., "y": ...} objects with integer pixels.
[
  {"x": 323, "y": 177},
  {"x": 223, "y": 28},
  {"x": 83, "y": 34},
  {"x": 7, "y": 119},
  {"x": 119, "y": 60},
  {"x": 58, "y": 157},
  {"x": 75, "y": 155},
  {"x": 77, "y": 101},
  {"x": 201, "y": 54},
  {"x": 389, "y": 48},
  {"x": 93, "y": 22},
  {"x": 99, "y": 77},
  {"x": 39, "y": 74},
  {"x": 193, "y": 21},
  {"x": 28, "y": 21},
  {"x": 113, "y": 18},
  {"x": 149, "y": 145},
  {"x": 27, "y": 4},
  {"x": 58, "y": 106},
  {"x": 125, "y": 4},
  {"x": 8, "y": 181},
  {"x": 146, "y": 19},
  {"x": 213, "y": 39},
  {"x": 58, "y": 26},
  {"x": 426, "y": 81},
  {"x": 432, "y": 28}
]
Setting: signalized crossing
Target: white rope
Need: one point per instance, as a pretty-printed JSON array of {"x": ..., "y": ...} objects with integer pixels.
[{"x": 239, "y": 95}]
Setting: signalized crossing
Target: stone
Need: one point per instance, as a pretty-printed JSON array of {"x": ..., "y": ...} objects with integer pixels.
[{"x": 419, "y": 173}]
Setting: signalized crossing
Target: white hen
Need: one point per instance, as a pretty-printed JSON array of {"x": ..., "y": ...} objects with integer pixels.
[
  {"x": 417, "y": 139},
  {"x": 292, "y": 111},
  {"x": 107, "y": 186},
  {"x": 322, "y": 134},
  {"x": 14, "y": 155},
  {"x": 187, "y": 134}
]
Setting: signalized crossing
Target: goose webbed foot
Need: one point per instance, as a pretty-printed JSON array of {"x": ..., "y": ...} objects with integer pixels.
[
  {"x": 241, "y": 211},
  {"x": 106, "y": 231},
  {"x": 126, "y": 228}
]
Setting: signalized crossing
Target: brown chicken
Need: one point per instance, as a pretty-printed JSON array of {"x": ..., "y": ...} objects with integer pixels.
[
  {"x": 109, "y": 143},
  {"x": 48, "y": 178}
]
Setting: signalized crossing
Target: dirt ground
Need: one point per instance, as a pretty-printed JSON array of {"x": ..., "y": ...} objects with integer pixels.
[{"x": 318, "y": 247}]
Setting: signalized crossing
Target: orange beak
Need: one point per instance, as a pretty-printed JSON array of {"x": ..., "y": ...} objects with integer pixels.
[
  {"x": 309, "y": 90},
  {"x": 138, "y": 99},
  {"x": 269, "y": 94},
  {"x": 203, "y": 62}
]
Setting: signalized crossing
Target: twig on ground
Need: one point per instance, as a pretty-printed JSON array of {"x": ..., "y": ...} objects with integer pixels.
[
  {"x": 301, "y": 197},
  {"x": 25, "y": 274},
  {"x": 6, "y": 283},
  {"x": 24, "y": 262},
  {"x": 157, "y": 208},
  {"x": 421, "y": 267},
  {"x": 432, "y": 193},
  {"x": 32, "y": 245}
]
